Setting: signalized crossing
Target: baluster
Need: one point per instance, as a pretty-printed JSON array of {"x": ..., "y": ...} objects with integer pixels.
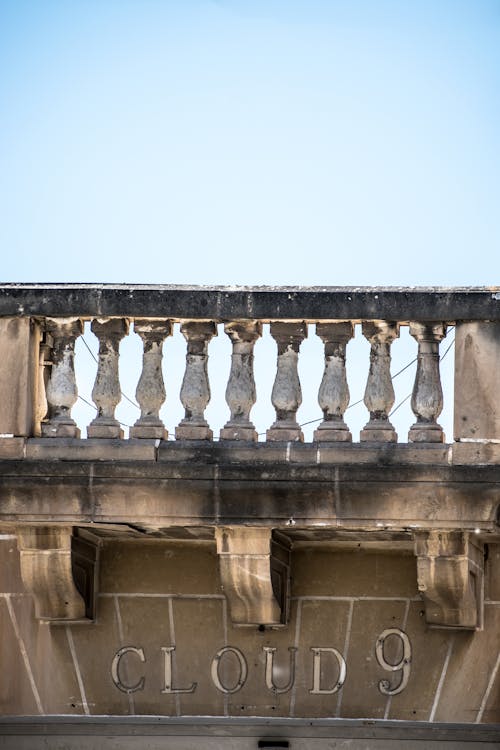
[
  {"x": 427, "y": 396},
  {"x": 106, "y": 393},
  {"x": 44, "y": 367},
  {"x": 333, "y": 395},
  {"x": 379, "y": 393},
  {"x": 150, "y": 391},
  {"x": 61, "y": 391},
  {"x": 240, "y": 391},
  {"x": 287, "y": 395},
  {"x": 195, "y": 389}
]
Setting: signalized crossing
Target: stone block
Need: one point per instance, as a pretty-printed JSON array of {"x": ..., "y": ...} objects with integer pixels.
[
  {"x": 72, "y": 449},
  {"x": 103, "y": 431},
  {"x": 326, "y": 434},
  {"x": 12, "y": 448},
  {"x": 148, "y": 431},
  {"x": 481, "y": 454},
  {"x": 193, "y": 432},
  {"x": 477, "y": 385},
  {"x": 378, "y": 435},
  {"x": 329, "y": 572},
  {"x": 19, "y": 381},
  {"x": 284, "y": 434},
  {"x": 153, "y": 566},
  {"x": 237, "y": 432}
]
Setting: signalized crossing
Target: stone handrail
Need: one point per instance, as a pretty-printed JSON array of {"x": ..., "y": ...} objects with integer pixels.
[{"x": 39, "y": 325}]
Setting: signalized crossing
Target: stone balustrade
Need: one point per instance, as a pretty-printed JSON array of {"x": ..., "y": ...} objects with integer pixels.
[{"x": 49, "y": 319}]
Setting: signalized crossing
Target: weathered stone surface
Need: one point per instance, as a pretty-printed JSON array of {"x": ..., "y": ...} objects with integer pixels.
[
  {"x": 326, "y": 569},
  {"x": 61, "y": 390},
  {"x": 240, "y": 391},
  {"x": 11, "y": 447},
  {"x": 250, "y": 568},
  {"x": 195, "y": 389},
  {"x": 333, "y": 396},
  {"x": 92, "y": 449},
  {"x": 106, "y": 392},
  {"x": 479, "y": 453},
  {"x": 250, "y": 303},
  {"x": 350, "y": 496},
  {"x": 45, "y": 555},
  {"x": 123, "y": 563},
  {"x": 427, "y": 396},
  {"x": 16, "y": 695},
  {"x": 10, "y": 568},
  {"x": 150, "y": 392},
  {"x": 335, "y": 605},
  {"x": 492, "y": 573},
  {"x": 379, "y": 392},
  {"x": 450, "y": 569},
  {"x": 19, "y": 377},
  {"x": 48, "y": 651},
  {"x": 477, "y": 386},
  {"x": 286, "y": 394}
]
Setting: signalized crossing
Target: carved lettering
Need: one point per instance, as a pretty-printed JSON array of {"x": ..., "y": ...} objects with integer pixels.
[
  {"x": 404, "y": 664},
  {"x": 215, "y": 670},
  {"x": 316, "y": 688},
  {"x": 271, "y": 685},
  {"x": 167, "y": 666},
  {"x": 115, "y": 669},
  {"x": 392, "y": 656}
]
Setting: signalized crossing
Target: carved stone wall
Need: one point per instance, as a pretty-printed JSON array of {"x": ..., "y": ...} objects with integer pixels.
[{"x": 357, "y": 643}]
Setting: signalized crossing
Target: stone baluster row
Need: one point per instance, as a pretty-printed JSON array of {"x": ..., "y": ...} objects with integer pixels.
[{"x": 333, "y": 396}]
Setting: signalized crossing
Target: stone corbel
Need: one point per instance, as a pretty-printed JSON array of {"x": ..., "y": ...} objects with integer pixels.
[
  {"x": 59, "y": 568},
  {"x": 450, "y": 572},
  {"x": 255, "y": 572}
]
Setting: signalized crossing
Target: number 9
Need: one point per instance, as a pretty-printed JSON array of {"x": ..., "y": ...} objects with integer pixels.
[{"x": 404, "y": 665}]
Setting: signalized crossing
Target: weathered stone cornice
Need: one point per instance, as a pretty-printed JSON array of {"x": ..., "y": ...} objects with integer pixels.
[
  {"x": 403, "y": 304},
  {"x": 204, "y": 483}
]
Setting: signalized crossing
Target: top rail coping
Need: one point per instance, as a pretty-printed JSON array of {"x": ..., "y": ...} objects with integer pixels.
[{"x": 221, "y": 303}]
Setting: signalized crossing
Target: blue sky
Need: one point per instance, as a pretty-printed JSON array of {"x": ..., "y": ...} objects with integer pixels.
[
  {"x": 331, "y": 143},
  {"x": 250, "y": 142}
]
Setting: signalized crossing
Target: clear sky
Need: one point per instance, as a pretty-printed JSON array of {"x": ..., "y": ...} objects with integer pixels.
[
  {"x": 232, "y": 142},
  {"x": 349, "y": 142}
]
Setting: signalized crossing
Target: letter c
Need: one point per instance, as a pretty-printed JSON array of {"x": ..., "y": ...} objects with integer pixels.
[{"x": 115, "y": 669}]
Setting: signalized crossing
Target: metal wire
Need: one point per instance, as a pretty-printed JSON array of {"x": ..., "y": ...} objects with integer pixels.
[{"x": 131, "y": 401}]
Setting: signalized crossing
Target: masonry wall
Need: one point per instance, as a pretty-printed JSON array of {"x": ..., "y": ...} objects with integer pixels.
[{"x": 156, "y": 594}]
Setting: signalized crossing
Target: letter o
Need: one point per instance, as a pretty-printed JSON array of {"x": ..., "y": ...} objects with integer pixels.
[{"x": 215, "y": 669}]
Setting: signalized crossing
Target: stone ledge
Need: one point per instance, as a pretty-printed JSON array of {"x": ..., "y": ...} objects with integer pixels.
[
  {"x": 238, "y": 452},
  {"x": 12, "y": 447},
  {"x": 91, "y": 449},
  {"x": 138, "y": 727}
]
